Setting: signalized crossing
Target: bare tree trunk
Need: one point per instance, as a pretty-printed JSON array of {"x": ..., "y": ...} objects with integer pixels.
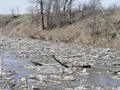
[
  {"x": 64, "y": 8},
  {"x": 95, "y": 16},
  {"x": 70, "y": 11},
  {"x": 48, "y": 13},
  {"x": 42, "y": 15},
  {"x": 48, "y": 19}
]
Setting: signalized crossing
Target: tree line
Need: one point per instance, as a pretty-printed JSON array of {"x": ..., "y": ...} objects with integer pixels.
[{"x": 53, "y": 13}]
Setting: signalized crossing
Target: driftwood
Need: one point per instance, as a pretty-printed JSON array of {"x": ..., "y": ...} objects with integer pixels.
[
  {"x": 36, "y": 64},
  {"x": 53, "y": 56},
  {"x": 83, "y": 66}
]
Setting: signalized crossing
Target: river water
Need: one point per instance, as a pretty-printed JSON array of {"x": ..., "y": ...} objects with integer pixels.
[{"x": 13, "y": 69}]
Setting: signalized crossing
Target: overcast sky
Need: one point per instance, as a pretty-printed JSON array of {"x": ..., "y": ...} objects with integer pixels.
[{"x": 7, "y": 5}]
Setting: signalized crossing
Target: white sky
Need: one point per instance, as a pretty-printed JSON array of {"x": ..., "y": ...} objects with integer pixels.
[{"x": 7, "y": 5}]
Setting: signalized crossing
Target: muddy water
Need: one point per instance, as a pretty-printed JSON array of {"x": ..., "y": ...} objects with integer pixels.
[{"x": 97, "y": 77}]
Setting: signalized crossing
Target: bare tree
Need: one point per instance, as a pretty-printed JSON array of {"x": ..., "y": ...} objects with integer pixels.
[
  {"x": 54, "y": 12},
  {"x": 93, "y": 23},
  {"x": 112, "y": 8},
  {"x": 48, "y": 10},
  {"x": 17, "y": 10},
  {"x": 42, "y": 14},
  {"x": 56, "y": 9},
  {"x": 39, "y": 5},
  {"x": 35, "y": 16},
  {"x": 65, "y": 7},
  {"x": 13, "y": 12},
  {"x": 70, "y": 10}
]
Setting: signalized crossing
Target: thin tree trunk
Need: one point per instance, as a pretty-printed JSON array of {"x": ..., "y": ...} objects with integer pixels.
[
  {"x": 48, "y": 14},
  {"x": 48, "y": 19},
  {"x": 42, "y": 15},
  {"x": 64, "y": 9},
  {"x": 70, "y": 11},
  {"x": 95, "y": 17}
]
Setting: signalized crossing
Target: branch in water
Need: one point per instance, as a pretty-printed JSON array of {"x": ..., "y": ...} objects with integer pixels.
[{"x": 53, "y": 56}]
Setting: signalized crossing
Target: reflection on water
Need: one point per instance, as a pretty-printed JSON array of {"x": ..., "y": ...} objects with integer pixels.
[
  {"x": 98, "y": 78},
  {"x": 102, "y": 79},
  {"x": 12, "y": 68},
  {"x": 16, "y": 65}
]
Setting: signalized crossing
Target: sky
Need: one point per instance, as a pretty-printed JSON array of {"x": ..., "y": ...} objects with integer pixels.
[{"x": 7, "y": 5}]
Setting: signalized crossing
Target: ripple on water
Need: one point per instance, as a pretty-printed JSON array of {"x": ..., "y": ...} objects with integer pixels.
[{"x": 103, "y": 79}]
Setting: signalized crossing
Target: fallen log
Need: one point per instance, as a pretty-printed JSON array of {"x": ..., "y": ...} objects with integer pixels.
[{"x": 53, "y": 56}]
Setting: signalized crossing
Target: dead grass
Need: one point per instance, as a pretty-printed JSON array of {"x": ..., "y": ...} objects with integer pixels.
[{"x": 77, "y": 32}]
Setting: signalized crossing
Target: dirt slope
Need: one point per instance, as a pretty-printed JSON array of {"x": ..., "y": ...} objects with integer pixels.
[{"x": 78, "y": 32}]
